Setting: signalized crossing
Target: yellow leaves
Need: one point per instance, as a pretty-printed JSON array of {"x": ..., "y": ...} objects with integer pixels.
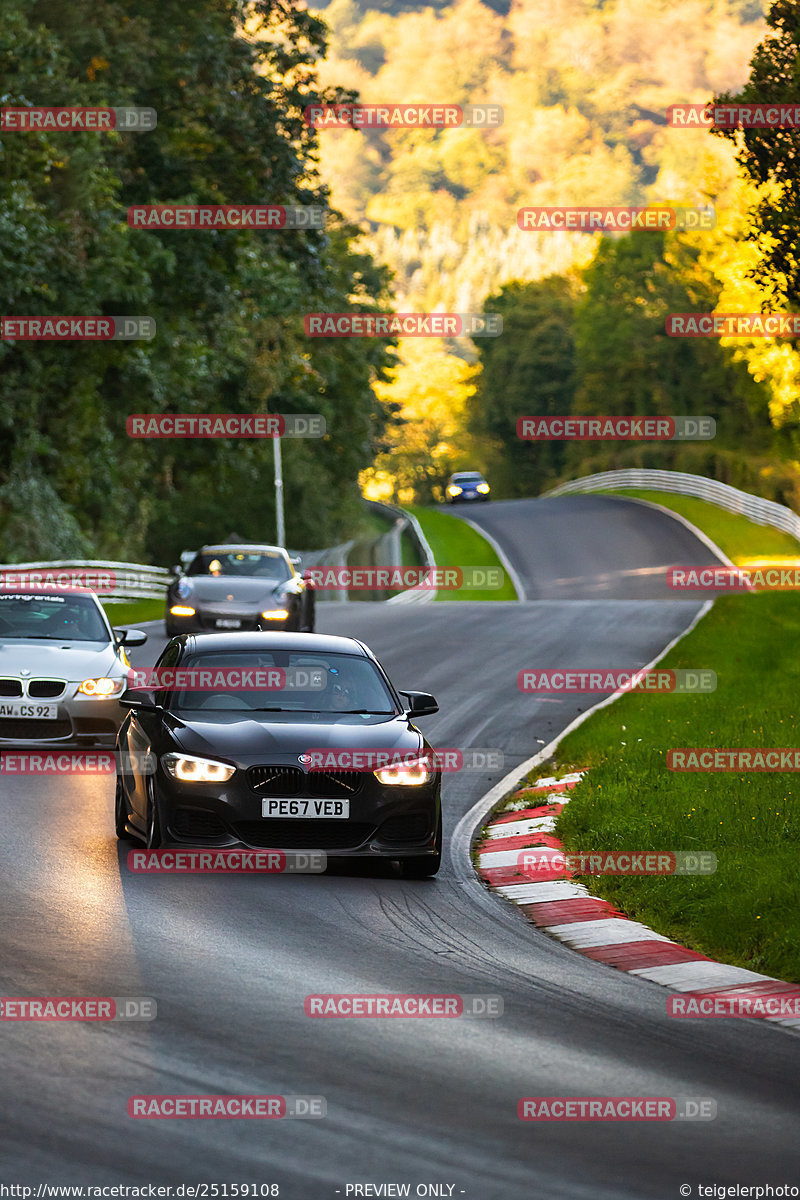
[
  {"x": 432, "y": 387},
  {"x": 98, "y": 63}
]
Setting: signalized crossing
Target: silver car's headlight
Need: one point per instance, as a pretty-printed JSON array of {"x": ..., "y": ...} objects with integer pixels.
[
  {"x": 190, "y": 769},
  {"x": 101, "y": 689}
]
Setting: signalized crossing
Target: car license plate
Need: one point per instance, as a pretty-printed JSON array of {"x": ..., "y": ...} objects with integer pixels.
[
  {"x": 306, "y": 808},
  {"x": 225, "y": 623},
  {"x": 24, "y": 708}
]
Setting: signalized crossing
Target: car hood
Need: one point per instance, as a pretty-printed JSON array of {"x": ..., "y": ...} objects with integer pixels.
[
  {"x": 60, "y": 659},
  {"x": 250, "y": 740},
  {"x": 207, "y": 589}
]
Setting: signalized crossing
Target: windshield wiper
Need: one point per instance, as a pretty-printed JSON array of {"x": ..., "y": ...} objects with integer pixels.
[{"x": 367, "y": 712}]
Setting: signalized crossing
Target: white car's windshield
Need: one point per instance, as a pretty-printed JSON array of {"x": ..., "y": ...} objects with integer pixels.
[{"x": 51, "y": 618}]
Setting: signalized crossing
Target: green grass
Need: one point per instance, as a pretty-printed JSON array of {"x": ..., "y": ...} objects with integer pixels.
[
  {"x": 455, "y": 544},
  {"x": 129, "y": 612},
  {"x": 737, "y": 537},
  {"x": 748, "y": 912}
]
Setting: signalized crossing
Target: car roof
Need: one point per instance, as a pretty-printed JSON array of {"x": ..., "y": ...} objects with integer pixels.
[
  {"x": 237, "y": 547},
  {"x": 320, "y": 643}
]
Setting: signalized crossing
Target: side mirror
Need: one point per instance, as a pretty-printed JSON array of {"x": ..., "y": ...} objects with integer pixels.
[
  {"x": 421, "y": 704},
  {"x": 139, "y": 700},
  {"x": 295, "y": 561},
  {"x": 130, "y": 637}
]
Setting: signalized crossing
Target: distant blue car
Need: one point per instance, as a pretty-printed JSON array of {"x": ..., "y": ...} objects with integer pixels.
[{"x": 466, "y": 486}]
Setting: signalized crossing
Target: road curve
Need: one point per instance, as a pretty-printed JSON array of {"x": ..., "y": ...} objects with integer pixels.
[{"x": 229, "y": 960}]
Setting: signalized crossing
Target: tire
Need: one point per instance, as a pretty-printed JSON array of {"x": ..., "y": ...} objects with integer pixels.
[
  {"x": 424, "y": 866},
  {"x": 154, "y": 837},
  {"x": 120, "y": 814}
]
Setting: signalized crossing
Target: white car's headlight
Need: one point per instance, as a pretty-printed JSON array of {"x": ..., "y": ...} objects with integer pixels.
[
  {"x": 181, "y": 610},
  {"x": 189, "y": 769},
  {"x": 413, "y": 773},
  {"x": 102, "y": 688}
]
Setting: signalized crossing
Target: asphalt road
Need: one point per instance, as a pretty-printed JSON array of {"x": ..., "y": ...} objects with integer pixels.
[{"x": 230, "y": 959}]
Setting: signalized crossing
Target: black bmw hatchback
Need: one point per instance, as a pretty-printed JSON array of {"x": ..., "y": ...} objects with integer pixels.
[{"x": 288, "y": 741}]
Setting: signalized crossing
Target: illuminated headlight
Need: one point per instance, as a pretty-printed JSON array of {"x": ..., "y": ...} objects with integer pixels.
[
  {"x": 189, "y": 769},
  {"x": 275, "y": 614},
  {"x": 453, "y": 490},
  {"x": 101, "y": 689},
  {"x": 406, "y": 774},
  {"x": 483, "y": 488},
  {"x": 181, "y": 610}
]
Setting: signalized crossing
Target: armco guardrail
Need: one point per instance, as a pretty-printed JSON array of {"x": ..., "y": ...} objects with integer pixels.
[
  {"x": 138, "y": 581},
  {"x": 131, "y": 581},
  {"x": 762, "y": 512}
]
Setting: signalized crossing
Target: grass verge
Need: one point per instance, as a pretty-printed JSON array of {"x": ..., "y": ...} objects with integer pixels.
[
  {"x": 742, "y": 540},
  {"x": 455, "y": 544},
  {"x": 128, "y": 612},
  {"x": 748, "y": 912}
]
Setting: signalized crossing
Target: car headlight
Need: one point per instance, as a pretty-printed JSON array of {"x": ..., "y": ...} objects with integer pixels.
[
  {"x": 184, "y": 589},
  {"x": 453, "y": 490},
  {"x": 483, "y": 488},
  {"x": 189, "y": 769},
  {"x": 102, "y": 688},
  {"x": 406, "y": 774},
  {"x": 275, "y": 614},
  {"x": 181, "y": 610}
]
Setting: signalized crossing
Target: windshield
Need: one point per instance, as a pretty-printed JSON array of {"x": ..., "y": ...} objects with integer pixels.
[
  {"x": 288, "y": 681},
  {"x": 467, "y": 477},
  {"x": 53, "y": 618},
  {"x": 261, "y": 564}
]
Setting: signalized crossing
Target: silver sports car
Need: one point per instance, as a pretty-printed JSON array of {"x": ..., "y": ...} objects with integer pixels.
[
  {"x": 243, "y": 587},
  {"x": 62, "y": 669}
]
